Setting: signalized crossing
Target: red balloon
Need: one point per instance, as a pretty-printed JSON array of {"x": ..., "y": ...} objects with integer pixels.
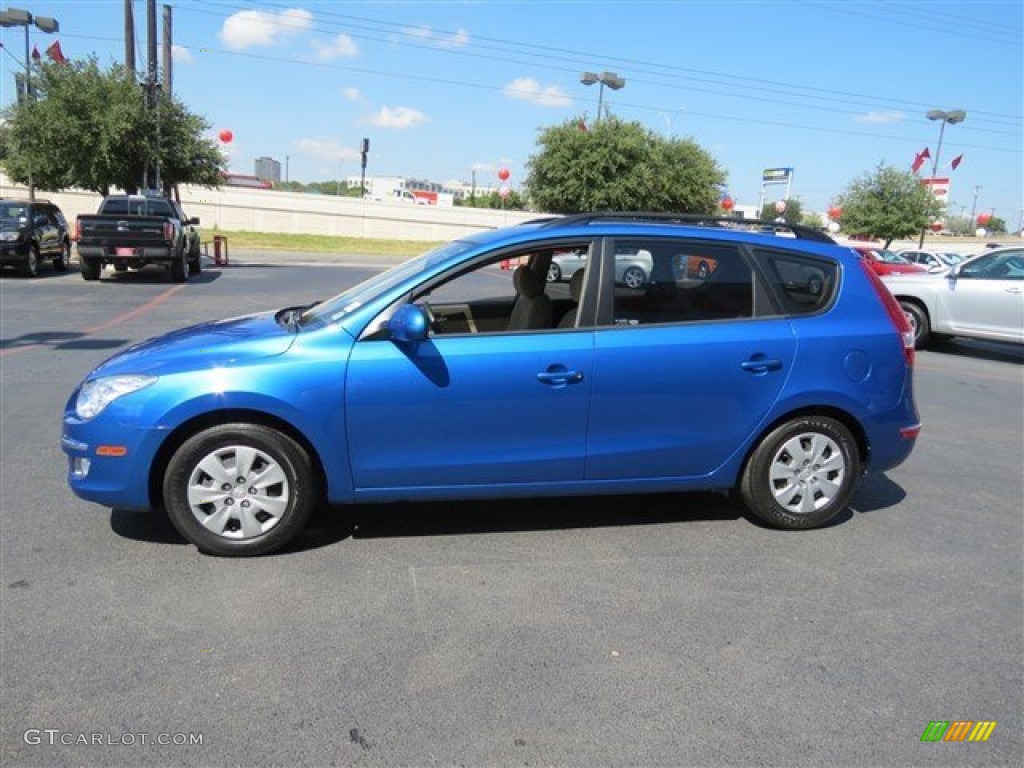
[
  {"x": 226, "y": 136},
  {"x": 984, "y": 218},
  {"x": 503, "y": 174},
  {"x": 835, "y": 212},
  {"x": 728, "y": 203}
]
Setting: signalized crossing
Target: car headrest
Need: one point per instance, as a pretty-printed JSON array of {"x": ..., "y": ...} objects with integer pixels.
[{"x": 527, "y": 282}]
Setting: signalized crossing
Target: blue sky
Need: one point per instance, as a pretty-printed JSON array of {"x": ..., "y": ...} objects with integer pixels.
[{"x": 831, "y": 89}]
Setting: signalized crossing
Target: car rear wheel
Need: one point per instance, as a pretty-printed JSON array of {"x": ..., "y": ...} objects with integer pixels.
[
  {"x": 90, "y": 268},
  {"x": 918, "y": 321},
  {"x": 239, "y": 489},
  {"x": 177, "y": 270},
  {"x": 554, "y": 273},
  {"x": 62, "y": 261},
  {"x": 703, "y": 270},
  {"x": 30, "y": 266},
  {"x": 802, "y": 474}
]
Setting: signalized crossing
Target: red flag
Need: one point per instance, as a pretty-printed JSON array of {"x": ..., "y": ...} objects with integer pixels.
[
  {"x": 926, "y": 155},
  {"x": 918, "y": 162},
  {"x": 55, "y": 53},
  {"x": 35, "y": 53},
  {"x": 956, "y": 161}
]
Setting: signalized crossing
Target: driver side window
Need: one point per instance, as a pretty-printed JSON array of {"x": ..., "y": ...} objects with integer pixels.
[{"x": 513, "y": 292}]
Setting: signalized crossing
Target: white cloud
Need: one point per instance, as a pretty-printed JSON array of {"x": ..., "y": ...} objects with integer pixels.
[
  {"x": 528, "y": 89},
  {"x": 397, "y": 117},
  {"x": 181, "y": 54},
  {"x": 325, "y": 149},
  {"x": 352, "y": 93},
  {"x": 247, "y": 29},
  {"x": 342, "y": 46},
  {"x": 424, "y": 32},
  {"x": 882, "y": 117}
]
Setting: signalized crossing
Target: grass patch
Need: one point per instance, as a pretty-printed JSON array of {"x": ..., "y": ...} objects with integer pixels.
[{"x": 272, "y": 241}]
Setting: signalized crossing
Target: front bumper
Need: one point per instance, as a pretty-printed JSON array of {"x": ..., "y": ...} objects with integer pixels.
[
  {"x": 109, "y": 463},
  {"x": 13, "y": 252}
]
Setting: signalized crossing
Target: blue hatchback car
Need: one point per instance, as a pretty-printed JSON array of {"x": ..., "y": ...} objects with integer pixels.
[{"x": 782, "y": 374}]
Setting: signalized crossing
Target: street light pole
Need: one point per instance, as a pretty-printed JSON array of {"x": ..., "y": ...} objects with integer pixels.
[
  {"x": 15, "y": 17},
  {"x": 952, "y": 117},
  {"x": 610, "y": 79}
]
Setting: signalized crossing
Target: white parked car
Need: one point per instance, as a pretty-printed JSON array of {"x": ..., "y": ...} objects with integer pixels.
[{"x": 982, "y": 298}]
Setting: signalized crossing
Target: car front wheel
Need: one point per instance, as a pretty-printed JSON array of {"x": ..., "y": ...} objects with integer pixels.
[
  {"x": 918, "y": 321},
  {"x": 239, "y": 489},
  {"x": 30, "y": 266},
  {"x": 554, "y": 273},
  {"x": 634, "y": 277},
  {"x": 802, "y": 474}
]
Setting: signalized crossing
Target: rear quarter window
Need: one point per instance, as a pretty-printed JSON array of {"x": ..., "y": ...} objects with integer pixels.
[{"x": 802, "y": 284}]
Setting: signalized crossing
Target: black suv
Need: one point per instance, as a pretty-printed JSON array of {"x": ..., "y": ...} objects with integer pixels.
[{"x": 32, "y": 230}]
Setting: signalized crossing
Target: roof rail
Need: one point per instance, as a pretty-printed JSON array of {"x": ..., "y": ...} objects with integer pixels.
[{"x": 800, "y": 231}]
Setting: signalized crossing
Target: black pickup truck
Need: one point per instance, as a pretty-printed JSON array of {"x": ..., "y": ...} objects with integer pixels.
[{"x": 131, "y": 231}]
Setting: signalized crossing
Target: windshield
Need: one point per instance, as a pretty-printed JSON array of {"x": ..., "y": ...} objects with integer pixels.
[
  {"x": 9, "y": 211},
  {"x": 334, "y": 309},
  {"x": 890, "y": 257}
]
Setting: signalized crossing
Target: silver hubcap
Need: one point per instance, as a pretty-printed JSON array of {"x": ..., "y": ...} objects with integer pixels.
[
  {"x": 807, "y": 473},
  {"x": 633, "y": 279},
  {"x": 238, "y": 492}
]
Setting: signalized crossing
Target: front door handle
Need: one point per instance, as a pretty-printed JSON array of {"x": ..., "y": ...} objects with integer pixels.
[
  {"x": 760, "y": 364},
  {"x": 559, "y": 376}
]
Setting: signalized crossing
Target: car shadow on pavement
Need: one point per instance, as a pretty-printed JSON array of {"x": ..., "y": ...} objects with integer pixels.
[
  {"x": 982, "y": 350},
  {"x": 152, "y": 275},
  {"x": 331, "y": 524},
  {"x": 60, "y": 340}
]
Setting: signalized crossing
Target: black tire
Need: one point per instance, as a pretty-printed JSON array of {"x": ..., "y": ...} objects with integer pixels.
[
  {"x": 62, "y": 262},
  {"x": 919, "y": 321},
  {"x": 195, "y": 266},
  {"x": 120, "y": 267},
  {"x": 30, "y": 266},
  {"x": 554, "y": 273},
  {"x": 274, "y": 512},
  {"x": 90, "y": 268},
  {"x": 802, "y": 474},
  {"x": 177, "y": 270},
  {"x": 634, "y": 277}
]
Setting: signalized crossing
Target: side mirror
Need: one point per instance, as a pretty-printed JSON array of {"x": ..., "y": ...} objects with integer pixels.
[
  {"x": 954, "y": 272},
  {"x": 409, "y": 324},
  {"x": 194, "y": 221}
]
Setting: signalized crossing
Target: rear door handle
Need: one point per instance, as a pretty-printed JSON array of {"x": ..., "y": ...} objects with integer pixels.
[{"x": 760, "y": 365}]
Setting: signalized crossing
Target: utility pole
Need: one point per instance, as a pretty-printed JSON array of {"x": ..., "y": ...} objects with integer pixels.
[
  {"x": 168, "y": 45},
  {"x": 129, "y": 36},
  {"x": 974, "y": 205},
  {"x": 151, "y": 88}
]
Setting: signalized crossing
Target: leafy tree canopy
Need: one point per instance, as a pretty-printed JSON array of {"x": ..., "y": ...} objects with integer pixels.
[
  {"x": 620, "y": 166},
  {"x": 794, "y": 213},
  {"x": 887, "y": 204},
  {"x": 91, "y": 129}
]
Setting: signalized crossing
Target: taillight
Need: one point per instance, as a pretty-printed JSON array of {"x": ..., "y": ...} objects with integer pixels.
[
  {"x": 896, "y": 314},
  {"x": 168, "y": 231},
  {"x": 78, "y": 230}
]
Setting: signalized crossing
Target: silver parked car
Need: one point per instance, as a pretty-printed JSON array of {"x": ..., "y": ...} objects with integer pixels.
[
  {"x": 632, "y": 267},
  {"x": 934, "y": 261},
  {"x": 982, "y": 298}
]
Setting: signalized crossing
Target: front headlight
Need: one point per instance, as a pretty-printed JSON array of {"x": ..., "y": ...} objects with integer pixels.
[{"x": 97, "y": 394}]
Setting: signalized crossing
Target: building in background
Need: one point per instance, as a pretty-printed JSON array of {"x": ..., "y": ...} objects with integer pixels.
[{"x": 268, "y": 169}]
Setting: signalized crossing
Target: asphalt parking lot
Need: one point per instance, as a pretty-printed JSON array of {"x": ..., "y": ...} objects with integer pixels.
[{"x": 645, "y": 631}]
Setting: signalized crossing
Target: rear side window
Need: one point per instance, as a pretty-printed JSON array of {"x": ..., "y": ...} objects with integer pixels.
[
  {"x": 802, "y": 284},
  {"x": 680, "y": 281}
]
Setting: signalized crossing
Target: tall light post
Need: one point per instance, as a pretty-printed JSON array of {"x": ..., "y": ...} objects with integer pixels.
[
  {"x": 670, "y": 118},
  {"x": 952, "y": 117},
  {"x": 610, "y": 79},
  {"x": 15, "y": 17}
]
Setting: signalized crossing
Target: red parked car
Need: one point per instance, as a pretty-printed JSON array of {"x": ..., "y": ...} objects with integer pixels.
[{"x": 885, "y": 262}]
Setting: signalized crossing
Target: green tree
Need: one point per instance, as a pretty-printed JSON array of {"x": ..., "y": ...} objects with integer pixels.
[
  {"x": 91, "y": 129},
  {"x": 620, "y": 166},
  {"x": 514, "y": 201},
  {"x": 887, "y": 204}
]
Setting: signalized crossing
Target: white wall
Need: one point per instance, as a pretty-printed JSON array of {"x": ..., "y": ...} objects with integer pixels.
[{"x": 264, "y": 210}]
